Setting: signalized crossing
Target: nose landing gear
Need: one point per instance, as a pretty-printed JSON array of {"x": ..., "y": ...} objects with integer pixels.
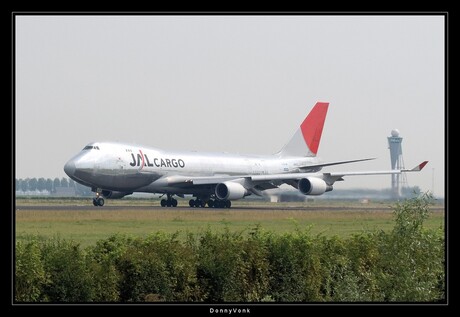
[{"x": 98, "y": 201}]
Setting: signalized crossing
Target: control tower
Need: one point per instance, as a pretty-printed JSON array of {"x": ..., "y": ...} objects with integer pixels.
[{"x": 397, "y": 162}]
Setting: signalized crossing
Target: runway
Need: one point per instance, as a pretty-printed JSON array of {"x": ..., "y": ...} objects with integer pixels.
[
  {"x": 250, "y": 206},
  {"x": 108, "y": 208}
]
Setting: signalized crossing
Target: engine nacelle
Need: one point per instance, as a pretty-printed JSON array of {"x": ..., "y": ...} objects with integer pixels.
[
  {"x": 313, "y": 186},
  {"x": 230, "y": 191},
  {"x": 114, "y": 194}
]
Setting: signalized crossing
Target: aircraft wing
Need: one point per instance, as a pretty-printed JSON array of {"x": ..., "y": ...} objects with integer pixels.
[
  {"x": 330, "y": 178},
  {"x": 178, "y": 180},
  {"x": 268, "y": 181},
  {"x": 320, "y": 165}
]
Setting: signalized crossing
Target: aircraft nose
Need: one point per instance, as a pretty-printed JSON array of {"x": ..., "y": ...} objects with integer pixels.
[{"x": 69, "y": 168}]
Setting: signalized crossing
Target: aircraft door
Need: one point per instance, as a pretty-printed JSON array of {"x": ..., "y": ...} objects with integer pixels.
[{"x": 120, "y": 164}]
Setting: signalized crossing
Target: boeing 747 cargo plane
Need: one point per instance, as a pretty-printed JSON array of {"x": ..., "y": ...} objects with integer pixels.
[{"x": 114, "y": 170}]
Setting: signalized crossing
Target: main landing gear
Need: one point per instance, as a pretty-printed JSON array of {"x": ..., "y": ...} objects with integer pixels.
[
  {"x": 169, "y": 202},
  {"x": 199, "y": 202},
  {"x": 98, "y": 201},
  {"x": 211, "y": 203}
]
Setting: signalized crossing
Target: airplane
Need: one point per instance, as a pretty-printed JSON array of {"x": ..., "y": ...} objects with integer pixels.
[{"x": 114, "y": 170}]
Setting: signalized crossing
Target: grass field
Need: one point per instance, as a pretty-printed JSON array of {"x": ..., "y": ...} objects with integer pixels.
[{"x": 75, "y": 219}]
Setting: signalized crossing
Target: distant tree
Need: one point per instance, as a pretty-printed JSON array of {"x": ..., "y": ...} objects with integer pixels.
[
  {"x": 33, "y": 182},
  {"x": 25, "y": 185},
  {"x": 78, "y": 190},
  {"x": 49, "y": 185},
  {"x": 82, "y": 190},
  {"x": 18, "y": 184},
  {"x": 71, "y": 183},
  {"x": 387, "y": 192},
  {"x": 410, "y": 191},
  {"x": 41, "y": 184},
  {"x": 56, "y": 184},
  {"x": 64, "y": 182}
]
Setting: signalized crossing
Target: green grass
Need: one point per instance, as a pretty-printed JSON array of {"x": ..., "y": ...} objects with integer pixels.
[{"x": 88, "y": 226}]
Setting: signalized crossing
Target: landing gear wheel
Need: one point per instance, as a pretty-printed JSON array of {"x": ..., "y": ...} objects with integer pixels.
[
  {"x": 169, "y": 202},
  {"x": 202, "y": 202},
  {"x": 198, "y": 203},
  {"x": 98, "y": 202},
  {"x": 221, "y": 204}
]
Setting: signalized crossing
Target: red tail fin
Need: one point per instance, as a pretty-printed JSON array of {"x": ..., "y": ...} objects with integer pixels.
[
  {"x": 305, "y": 141},
  {"x": 312, "y": 126}
]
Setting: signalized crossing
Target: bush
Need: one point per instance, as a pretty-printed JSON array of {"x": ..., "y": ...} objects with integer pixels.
[
  {"x": 303, "y": 267},
  {"x": 364, "y": 255},
  {"x": 69, "y": 278},
  {"x": 101, "y": 261},
  {"x": 412, "y": 258},
  {"x": 158, "y": 267},
  {"x": 30, "y": 273},
  {"x": 232, "y": 268}
]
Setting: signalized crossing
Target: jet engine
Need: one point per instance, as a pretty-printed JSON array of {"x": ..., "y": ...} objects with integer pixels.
[
  {"x": 230, "y": 191},
  {"x": 114, "y": 194},
  {"x": 313, "y": 186}
]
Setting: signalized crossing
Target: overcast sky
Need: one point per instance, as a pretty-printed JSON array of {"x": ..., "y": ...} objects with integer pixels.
[{"x": 232, "y": 83}]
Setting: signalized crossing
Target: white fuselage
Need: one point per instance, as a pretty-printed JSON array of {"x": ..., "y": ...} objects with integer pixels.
[{"x": 128, "y": 167}]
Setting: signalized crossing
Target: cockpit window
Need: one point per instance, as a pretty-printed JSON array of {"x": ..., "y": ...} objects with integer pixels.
[{"x": 91, "y": 147}]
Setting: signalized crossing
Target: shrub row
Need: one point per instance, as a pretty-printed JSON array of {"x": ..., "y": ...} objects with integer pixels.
[{"x": 405, "y": 264}]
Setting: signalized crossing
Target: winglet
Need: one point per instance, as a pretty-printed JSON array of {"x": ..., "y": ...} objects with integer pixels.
[{"x": 420, "y": 166}]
